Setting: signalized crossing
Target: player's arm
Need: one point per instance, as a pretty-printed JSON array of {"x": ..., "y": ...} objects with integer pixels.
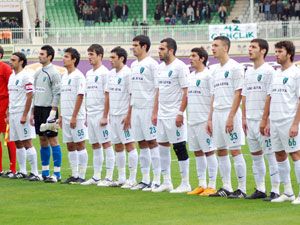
[
  {"x": 127, "y": 120},
  {"x": 179, "y": 117},
  {"x": 155, "y": 108},
  {"x": 234, "y": 108},
  {"x": 244, "y": 121},
  {"x": 209, "y": 128},
  {"x": 104, "y": 120},
  {"x": 27, "y": 105},
  {"x": 78, "y": 103},
  {"x": 293, "y": 132},
  {"x": 264, "y": 123}
]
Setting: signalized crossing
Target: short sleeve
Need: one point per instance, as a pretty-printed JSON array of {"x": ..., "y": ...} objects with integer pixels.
[
  {"x": 28, "y": 82},
  {"x": 182, "y": 76},
  {"x": 81, "y": 85},
  {"x": 238, "y": 77}
]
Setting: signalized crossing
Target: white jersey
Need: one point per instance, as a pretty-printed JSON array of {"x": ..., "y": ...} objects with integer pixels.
[
  {"x": 199, "y": 96},
  {"x": 95, "y": 87},
  {"x": 256, "y": 85},
  {"x": 226, "y": 80},
  {"x": 72, "y": 85},
  {"x": 144, "y": 73},
  {"x": 285, "y": 93},
  {"x": 171, "y": 79},
  {"x": 18, "y": 86},
  {"x": 118, "y": 86}
]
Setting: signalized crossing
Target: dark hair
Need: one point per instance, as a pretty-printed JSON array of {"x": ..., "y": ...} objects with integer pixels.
[
  {"x": 96, "y": 48},
  {"x": 120, "y": 52},
  {"x": 74, "y": 55},
  {"x": 262, "y": 43},
  {"x": 202, "y": 53},
  {"x": 21, "y": 57},
  {"x": 1, "y": 52},
  {"x": 289, "y": 47},
  {"x": 224, "y": 39},
  {"x": 171, "y": 44},
  {"x": 143, "y": 40},
  {"x": 50, "y": 51}
]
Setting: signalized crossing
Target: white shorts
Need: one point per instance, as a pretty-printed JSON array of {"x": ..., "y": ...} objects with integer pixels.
[
  {"x": 118, "y": 134},
  {"x": 280, "y": 136},
  {"x": 18, "y": 131},
  {"x": 142, "y": 126},
  {"x": 97, "y": 133},
  {"x": 198, "y": 138},
  {"x": 256, "y": 141},
  {"x": 167, "y": 131},
  {"x": 223, "y": 140},
  {"x": 78, "y": 134}
]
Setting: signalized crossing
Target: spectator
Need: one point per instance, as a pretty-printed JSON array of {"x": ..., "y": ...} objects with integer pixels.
[
  {"x": 145, "y": 28},
  {"x": 104, "y": 15},
  {"x": 118, "y": 10},
  {"x": 167, "y": 19},
  {"x": 222, "y": 11},
  {"x": 173, "y": 20},
  {"x": 267, "y": 10},
  {"x": 286, "y": 11},
  {"x": 190, "y": 13},
  {"x": 280, "y": 8},
  {"x": 292, "y": 8},
  {"x": 157, "y": 16},
  {"x": 37, "y": 26},
  {"x": 125, "y": 10},
  {"x": 135, "y": 25},
  {"x": 297, "y": 9},
  {"x": 236, "y": 20},
  {"x": 273, "y": 10},
  {"x": 184, "y": 19}
]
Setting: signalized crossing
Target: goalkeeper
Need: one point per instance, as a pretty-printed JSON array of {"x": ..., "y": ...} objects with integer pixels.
[{"x": 45, "y": 113}]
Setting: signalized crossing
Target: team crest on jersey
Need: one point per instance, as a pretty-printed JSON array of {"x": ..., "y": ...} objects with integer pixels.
[
  {"x": 170, "y": 73},
  {"x": 259, "y": 77},
  {"x": 69, "y": 82},
  {"x": 119, "y": 80},
  {"x": 17, "y": 82},
  {"x": 285, "y": 80},
  {"x": 226, "y": 74},
  {"x": 96, "y": 79},
  {"x": 198, "y": 82},
  {"x": 142, "y": 70}
]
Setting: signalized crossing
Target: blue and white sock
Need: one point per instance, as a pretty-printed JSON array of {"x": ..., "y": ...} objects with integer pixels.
[
  {"x": 57, "y": 156},
  {"x": 45, "y": 158}
]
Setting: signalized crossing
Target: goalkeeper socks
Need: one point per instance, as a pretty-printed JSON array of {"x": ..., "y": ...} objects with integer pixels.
[
  {"x": 45, "y": 158},
  {"x": 56, "y": 154}
]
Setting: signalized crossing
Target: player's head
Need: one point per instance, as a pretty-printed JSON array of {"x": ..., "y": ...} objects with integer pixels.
[
  {"x": 18, "y": 60},
  {"x": 167, "y": 49},
  {"x": 46, "y": 54},
  {"x": 95, "y": 54},
  {"x": 220, "y": 46},
  {"x": 258, "y": 48},
  {"x": 118, "y": 57},
  {"x": 284, "y": 52},
  {"x": 71, "y": 57},
  {"x": 198, "y": 56},
  {"x": 1, "y": 52},
  {"x": 140, "y": 45}
]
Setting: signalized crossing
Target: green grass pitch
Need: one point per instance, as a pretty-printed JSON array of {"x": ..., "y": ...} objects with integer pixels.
[{"x": 23, "y": 202}]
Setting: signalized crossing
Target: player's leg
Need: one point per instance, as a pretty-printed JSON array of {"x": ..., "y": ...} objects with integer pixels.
[
  {"x": 212, "y": 167},
  {"x": 31, "y": 156},
  {"x": 109, "y": 160},
  {"x": 72, "y": 156},
  {"x": 132, "y": 165},
  {"x": 21, "y": 157},
  {"x": 121, "y": 163},
  {"x": 12, "y": 156},
  {"x": 155, "y": 161},
  {"x": 57, "y": 157},
  {"x": 296, "y": 158},
  {"x": 82, "y": 161},
  {"x": 45, "y": 153}
]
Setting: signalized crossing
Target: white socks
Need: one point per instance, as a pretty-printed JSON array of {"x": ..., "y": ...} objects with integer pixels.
[
  {"x": 274, "y": 173},
  {"x": 240, "y": 170},
  {"x": 259, "y": 172},
  {"x": 109, "y": 162},
  {"x": 21, "y": 157},
  {"x": 145, "y": 162},
  {"x": 97, "y": 163},
  {"x": 201, "y": 165},
  {"x": 156, "y": 168},
  {"x": 285, "y": 177},
  {"x": 165, "y": 162},
  {"x": 32, "y": 158},
  {"x": 132, "y": 165},
  {"x": 121, "y": 163},
  {"x": 82, "y": 163},
  {"x": 212, "y": 166},
  {"x": 184, "y": 168},
  {"x": 225, "y": 172},
  {"x": 73, "y": 160}
]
